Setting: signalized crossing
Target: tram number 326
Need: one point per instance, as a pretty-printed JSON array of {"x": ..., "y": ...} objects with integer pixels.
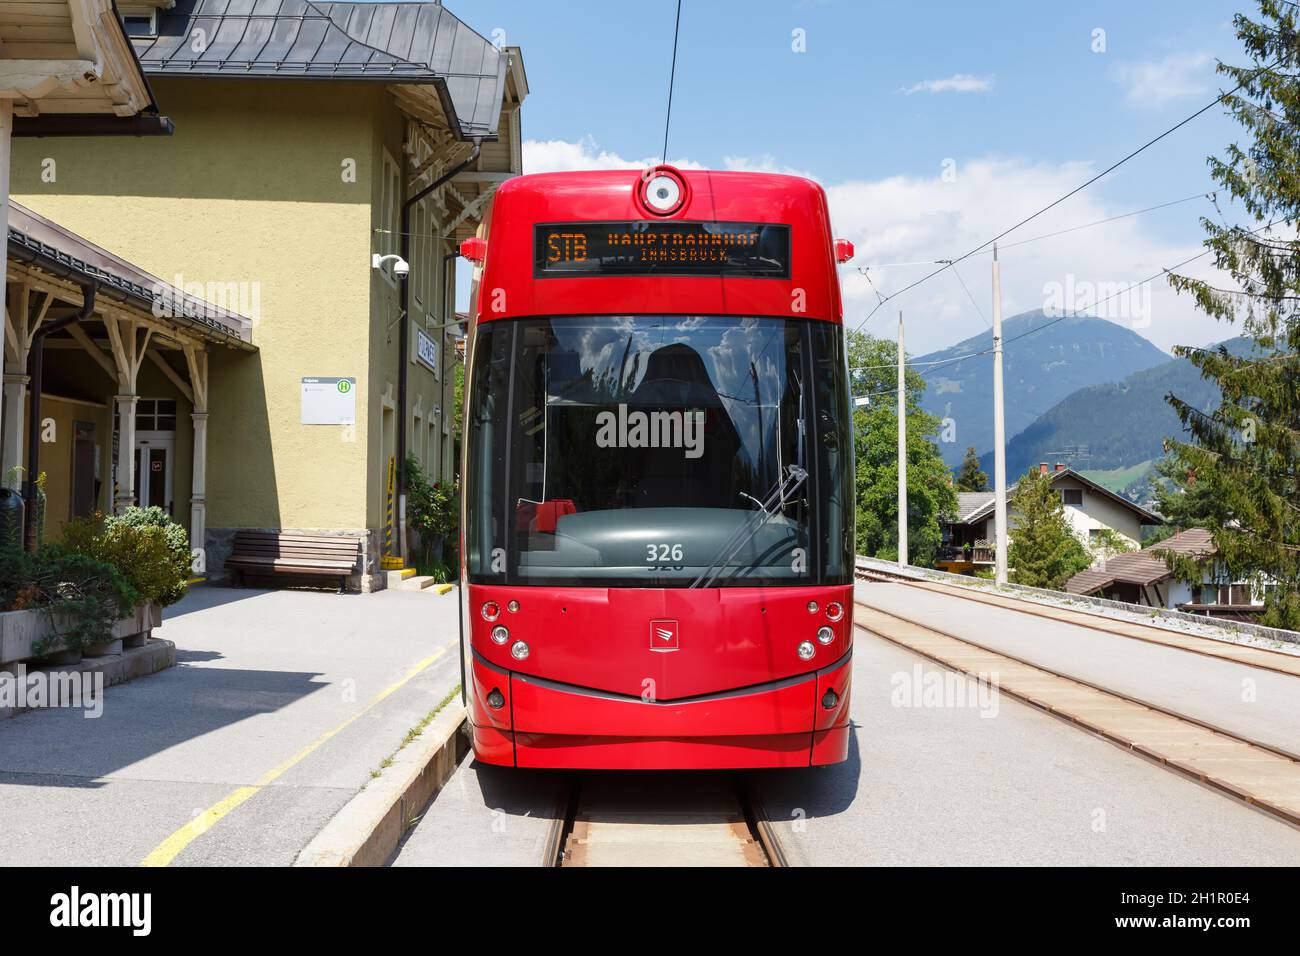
[{"x": 662, "y": 553}]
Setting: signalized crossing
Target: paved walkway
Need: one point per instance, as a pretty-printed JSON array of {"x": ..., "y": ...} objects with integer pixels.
[{"x": 281, "y": 705}]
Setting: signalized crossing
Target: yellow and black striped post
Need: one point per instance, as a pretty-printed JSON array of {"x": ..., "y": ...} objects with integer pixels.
[{"x": 387, "y": 561}]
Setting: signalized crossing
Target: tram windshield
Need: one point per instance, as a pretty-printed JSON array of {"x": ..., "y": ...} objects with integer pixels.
[{"x": 659, "y": 451}]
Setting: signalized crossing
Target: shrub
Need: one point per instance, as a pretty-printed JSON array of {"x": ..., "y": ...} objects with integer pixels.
[
  {"x": 146, "y": 546},
  {"x": 82, "y": 596},
  {"x": 432, "y": 507}
]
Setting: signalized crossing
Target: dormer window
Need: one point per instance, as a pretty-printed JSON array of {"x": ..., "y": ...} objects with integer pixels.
[{"x": 145, "y": 25}]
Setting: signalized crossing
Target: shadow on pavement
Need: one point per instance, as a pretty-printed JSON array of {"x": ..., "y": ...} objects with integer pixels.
[{"x": 143, "y": 719}]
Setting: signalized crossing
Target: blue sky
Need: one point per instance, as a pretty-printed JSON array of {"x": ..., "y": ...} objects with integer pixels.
[{"x": 1012, "y": 97}]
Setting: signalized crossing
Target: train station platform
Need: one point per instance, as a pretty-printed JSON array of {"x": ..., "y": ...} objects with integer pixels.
[{"x": 281, "y": 707}]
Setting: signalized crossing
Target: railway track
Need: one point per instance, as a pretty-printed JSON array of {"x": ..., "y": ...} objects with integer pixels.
[
  {"x": 688, "y": 819},
  {"x": 1261, "y": 775},
  {"x": 1264, "y": 658}
]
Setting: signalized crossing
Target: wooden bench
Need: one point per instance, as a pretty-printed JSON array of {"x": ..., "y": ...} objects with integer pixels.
[{"x": 261, "y": 553}]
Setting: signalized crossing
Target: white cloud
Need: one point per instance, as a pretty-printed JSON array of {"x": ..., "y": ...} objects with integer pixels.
[
  {"x": 957, "y": 83},
  {"x": 1177, "y": 76},
  {"x": 557, "y": 155},
  {"x": 911, "y": 219},
  {"x": 902, "y": 220}
]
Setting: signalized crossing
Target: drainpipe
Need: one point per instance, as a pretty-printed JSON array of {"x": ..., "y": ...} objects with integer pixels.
[
  {"x": 404, "y": 336},
  {"x": 35, "y": 366}
]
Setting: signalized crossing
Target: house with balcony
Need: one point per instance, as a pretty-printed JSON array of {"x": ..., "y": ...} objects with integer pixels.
[{"x": 1091, "y": 510}]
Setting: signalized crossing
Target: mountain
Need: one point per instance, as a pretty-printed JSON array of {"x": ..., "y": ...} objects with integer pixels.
[
  {"x": 1038, "y": 371},
  {"x": 1123, "y": 423}
]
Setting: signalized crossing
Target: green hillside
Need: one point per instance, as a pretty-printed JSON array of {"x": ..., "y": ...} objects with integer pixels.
[
  {"x": 1131, "y": 482},
  {"x": 1038, "y": 370},
  {"x": 1123, "y": 424}
]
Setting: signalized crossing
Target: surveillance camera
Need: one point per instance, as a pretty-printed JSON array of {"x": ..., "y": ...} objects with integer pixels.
[{"x": 401, "y": 268}]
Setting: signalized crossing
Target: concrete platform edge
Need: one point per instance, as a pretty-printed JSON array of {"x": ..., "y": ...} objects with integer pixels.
[{"x": 368, "y": 828}]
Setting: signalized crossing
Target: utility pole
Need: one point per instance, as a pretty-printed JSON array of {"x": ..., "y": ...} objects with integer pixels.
[
  {"x": 902, "y": 449},
  {"x": 999, "y": 434}
]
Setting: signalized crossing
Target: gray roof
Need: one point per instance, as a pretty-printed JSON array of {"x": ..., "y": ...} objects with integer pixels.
[
  {"x": 969, "y": 502},
  {"x": 415, "y": 42},
  {"x": 61, "y": 252}
]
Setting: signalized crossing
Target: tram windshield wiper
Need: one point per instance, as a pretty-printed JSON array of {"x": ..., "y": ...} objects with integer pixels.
[{"x": 771, "y": 504}]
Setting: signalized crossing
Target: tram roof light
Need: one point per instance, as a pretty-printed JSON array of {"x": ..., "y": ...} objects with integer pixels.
[{"x": 843, "y": 250}]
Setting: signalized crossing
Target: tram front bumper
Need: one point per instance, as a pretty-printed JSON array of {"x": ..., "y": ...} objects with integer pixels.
[{"x": 524, "y": 721}]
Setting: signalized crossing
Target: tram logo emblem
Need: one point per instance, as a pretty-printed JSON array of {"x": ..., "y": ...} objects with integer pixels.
[{"x": 664, "y": 636}]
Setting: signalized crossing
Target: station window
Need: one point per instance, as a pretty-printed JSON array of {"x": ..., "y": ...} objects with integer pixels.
[{"x": 153, "y": 415}]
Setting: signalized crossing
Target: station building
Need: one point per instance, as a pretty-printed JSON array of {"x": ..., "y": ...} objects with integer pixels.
[{"x": 262, "y": 389}]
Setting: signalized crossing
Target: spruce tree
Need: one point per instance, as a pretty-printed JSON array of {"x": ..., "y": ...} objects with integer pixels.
[
  {"x": 971, "y": 478},
  {"x": 1044, "y": 551},
  {"x": 1244, "y": 453}
]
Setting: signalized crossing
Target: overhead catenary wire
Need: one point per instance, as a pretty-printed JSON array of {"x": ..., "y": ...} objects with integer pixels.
[
  {"x": 672, "y": 77},
  {"x": 1075, "y": 191},
  {"x": 1210, "y": 195},
  {"x": 938, "y": 364}
]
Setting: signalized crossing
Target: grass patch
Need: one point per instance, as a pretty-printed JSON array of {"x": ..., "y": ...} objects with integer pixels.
[{"x": 416, "y": 731}]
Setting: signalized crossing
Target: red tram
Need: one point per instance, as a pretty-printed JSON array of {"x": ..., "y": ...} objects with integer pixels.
[{"x": 657, "y": 484}]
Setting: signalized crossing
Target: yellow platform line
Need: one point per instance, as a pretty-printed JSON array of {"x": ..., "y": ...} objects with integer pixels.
[{"x": 165, "y": 852}]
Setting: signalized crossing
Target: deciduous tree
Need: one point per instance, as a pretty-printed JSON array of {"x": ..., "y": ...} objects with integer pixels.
[{"x": 929, "y": 495}]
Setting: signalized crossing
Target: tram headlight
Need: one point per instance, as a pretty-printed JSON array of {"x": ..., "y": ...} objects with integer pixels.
[
  {"x": 491, "y": 610},
  {"x": 500, "y": 635},
  {"x": 812, "y": 607},
  {"x": 805, "y": 650},
  {"x": 825, "y": 635},
  {"x": 519, "y": 650},
  {"x": 512, "y": 607},
  {"x": 834, "y": 611}
]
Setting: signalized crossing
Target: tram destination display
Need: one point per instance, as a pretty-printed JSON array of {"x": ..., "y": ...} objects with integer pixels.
[{"x": 743, "y": 249}]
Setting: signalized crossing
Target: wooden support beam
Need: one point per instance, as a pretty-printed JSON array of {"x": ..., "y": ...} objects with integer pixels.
[
  {"x": 173, "y": 375},
  {"x": 196, "y": 359},
  {"x": 95, "y": 352}
]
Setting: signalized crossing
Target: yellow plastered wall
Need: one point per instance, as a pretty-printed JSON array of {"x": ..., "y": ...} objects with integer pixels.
[{"x": 269, "y": 185}]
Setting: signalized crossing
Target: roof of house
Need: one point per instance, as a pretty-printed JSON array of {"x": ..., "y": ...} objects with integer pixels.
[
  {"x": 420, "y": 42},
  {"x": 62, "y": 253},
  {"x": 1142, "y": 567},
  {"x": 971, "y": 502},
  {"x": 984, "y": 507}
]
